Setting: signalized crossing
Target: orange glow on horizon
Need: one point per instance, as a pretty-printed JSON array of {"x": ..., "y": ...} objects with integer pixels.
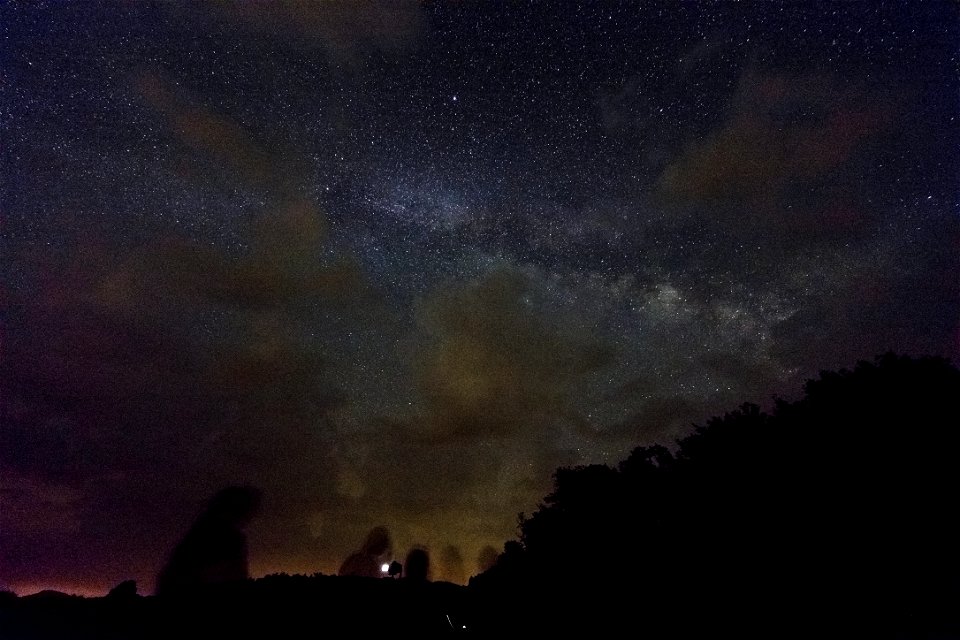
[{"x": 30, "y": 588}]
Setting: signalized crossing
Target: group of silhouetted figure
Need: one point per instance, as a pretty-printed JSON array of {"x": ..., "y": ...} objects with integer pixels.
[
  {"x": 214, "y": 550},
  {"x": 369, "y": 560}
]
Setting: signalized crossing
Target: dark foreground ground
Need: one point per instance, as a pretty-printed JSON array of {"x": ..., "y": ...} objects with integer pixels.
[
  {"x": 280, "y": 607},
  {"x": 328, "y": 606}
]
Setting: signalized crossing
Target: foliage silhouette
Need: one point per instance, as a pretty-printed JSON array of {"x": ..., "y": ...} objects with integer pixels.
[{"x": 837, "y": 509}]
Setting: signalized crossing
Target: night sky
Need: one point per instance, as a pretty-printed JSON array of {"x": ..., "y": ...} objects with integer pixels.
[{"x": 394, "y": 263}]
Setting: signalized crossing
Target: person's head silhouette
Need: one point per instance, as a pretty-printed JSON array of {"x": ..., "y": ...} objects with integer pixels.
[{"x": 417, "y": 565}]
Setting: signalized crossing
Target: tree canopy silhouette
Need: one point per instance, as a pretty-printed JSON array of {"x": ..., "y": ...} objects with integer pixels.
[{"x": 839, "y": 506}]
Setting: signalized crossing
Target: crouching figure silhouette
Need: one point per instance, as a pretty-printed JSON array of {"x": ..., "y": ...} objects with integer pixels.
[{"x": 214, "y": 551}]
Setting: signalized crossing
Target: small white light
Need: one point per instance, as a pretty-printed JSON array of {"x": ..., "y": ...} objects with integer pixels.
[{"x": 385, "y": 567}]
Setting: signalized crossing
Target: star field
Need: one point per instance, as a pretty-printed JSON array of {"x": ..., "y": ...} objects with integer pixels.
[{"x": 394, "y": 263}]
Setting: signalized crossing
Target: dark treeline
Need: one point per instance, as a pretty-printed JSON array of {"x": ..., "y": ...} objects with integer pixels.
[{"x": 834, "y": 515}]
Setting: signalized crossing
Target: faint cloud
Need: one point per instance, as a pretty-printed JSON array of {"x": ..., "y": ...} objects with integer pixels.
[
  {"x": 32, "y": 507},
  {"x": 346, "y": 29},
  {"x": 782, "y": 131},
  {"x": 493, "y": 365}
]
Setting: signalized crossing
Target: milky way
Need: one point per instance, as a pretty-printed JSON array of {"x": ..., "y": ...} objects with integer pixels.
[{"x": 395, "y": 263}]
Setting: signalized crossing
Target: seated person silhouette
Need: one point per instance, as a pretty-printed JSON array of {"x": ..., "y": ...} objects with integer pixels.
[
  {"x": 417, "y": 565},
  {"x": 368, "y": 560},
  {"x": 214, "y": 551}
]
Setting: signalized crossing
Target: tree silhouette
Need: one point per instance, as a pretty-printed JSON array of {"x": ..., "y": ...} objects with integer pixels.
[{"x": 840, "y": 506}]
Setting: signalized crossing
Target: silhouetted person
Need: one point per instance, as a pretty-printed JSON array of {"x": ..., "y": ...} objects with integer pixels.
[
  {"x": 417, "y": 565},
  {"x": 367, "y": 561},
  {"x": 451, "y": 567},
  {"x": 487, "y": 558},
  {"x": 214, "y": 551},
  {"x": 125, "y": 591}
]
